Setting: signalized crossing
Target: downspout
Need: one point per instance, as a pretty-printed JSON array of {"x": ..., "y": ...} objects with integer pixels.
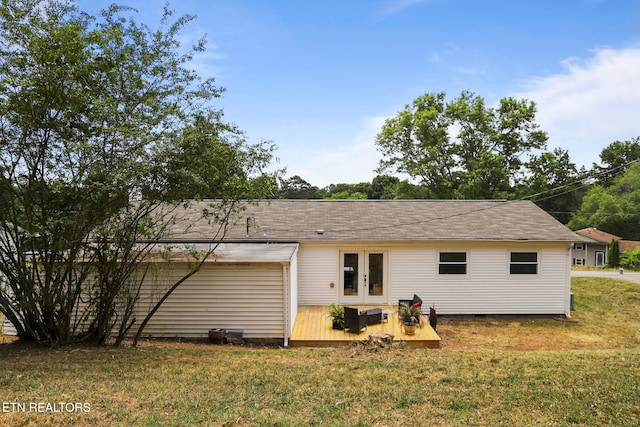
[{"x": 285, "y": 293}]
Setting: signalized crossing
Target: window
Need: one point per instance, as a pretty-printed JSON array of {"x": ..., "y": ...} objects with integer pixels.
[
  {"x": 578, "y": 261},
  {"x": 578, "y": 246},
  {"x": 523, "y": 263},
  {"x": 453, "y": 263}
]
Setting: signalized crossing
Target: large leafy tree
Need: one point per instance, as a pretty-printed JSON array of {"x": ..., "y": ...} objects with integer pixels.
[
  {"x": 462, "y": 149},
  {"x": 613, "y": 208},
  {"x": 554, "y": 183},
  {"x": 104, "y": 130},
  {"x": 615, "y": 159}
]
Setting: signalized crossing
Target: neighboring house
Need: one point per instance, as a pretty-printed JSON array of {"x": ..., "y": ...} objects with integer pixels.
[
  {"x": 466, "y": 257},
  {"x": 593, "y": 247},
  {"x": 628, "y": 245}
]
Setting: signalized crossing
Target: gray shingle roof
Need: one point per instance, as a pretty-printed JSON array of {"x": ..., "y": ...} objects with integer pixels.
[{"x": 388, "y": 220}]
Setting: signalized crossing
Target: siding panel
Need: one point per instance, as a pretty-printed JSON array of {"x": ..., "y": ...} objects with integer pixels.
[
  {"x": 318, "y": 267},
  {"x": 243, "y": 296}
]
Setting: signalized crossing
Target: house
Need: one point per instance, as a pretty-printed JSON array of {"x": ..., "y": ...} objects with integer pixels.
[
  {"x": 593, "y": 247},
  {"x": 464, "y": 257}
]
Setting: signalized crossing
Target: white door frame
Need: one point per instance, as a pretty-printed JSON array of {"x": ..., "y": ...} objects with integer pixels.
[{"x": 355, "y": 267}]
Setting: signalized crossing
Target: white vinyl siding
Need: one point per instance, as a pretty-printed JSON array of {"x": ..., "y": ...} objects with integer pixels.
[
  {"x": 230, "y": 296},
  {"x": 6, "y": 327},
  {"x": 318, "y": 268},
  {"x": 487, "y": 288},
  {"x": 411, "y": 269}
]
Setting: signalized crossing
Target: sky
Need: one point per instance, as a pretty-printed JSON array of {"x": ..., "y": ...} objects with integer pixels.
[{"x": 318, "y": 78}]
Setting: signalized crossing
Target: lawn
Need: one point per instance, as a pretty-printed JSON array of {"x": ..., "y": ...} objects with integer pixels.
[{"x": 489, "y": 371}]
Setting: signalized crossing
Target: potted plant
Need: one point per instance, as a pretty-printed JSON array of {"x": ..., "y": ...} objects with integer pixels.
[
  {"x": 336, "y": 313},
  {"x": 411, "y": 317}
]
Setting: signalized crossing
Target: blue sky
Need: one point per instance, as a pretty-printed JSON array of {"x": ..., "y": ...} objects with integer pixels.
[{"x": 318, "y": 78}]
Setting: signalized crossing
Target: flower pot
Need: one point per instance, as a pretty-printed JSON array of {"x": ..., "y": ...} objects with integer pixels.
[
  {"x": 337, "y": 325},
  {"x": 410, "y": 328}
]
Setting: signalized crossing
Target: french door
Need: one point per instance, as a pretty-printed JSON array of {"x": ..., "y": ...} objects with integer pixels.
[{"x": 363, "y": 277}]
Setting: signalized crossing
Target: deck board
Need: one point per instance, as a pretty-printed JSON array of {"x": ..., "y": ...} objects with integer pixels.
[{"x": 313, "y": 329}]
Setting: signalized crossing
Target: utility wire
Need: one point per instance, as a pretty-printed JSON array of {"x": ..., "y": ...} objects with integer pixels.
[
  {"x": 582, "y": 181},
  {"x": 495, "y": 204}
]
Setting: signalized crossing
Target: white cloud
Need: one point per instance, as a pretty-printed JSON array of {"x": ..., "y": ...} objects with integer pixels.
[
  {"x": 396, "y": 6},
  {"x": 352, "y": 162},
  {"x": 593, "y": 103}
]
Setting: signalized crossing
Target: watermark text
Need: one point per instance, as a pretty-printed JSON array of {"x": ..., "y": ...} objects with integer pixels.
[{"x": 46, "y": 407}]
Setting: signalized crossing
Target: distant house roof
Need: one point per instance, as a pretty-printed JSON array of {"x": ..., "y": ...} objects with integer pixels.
[
  {"x": 598, "y": 235},
  {"x": 623, "y": 245},
  {"x": 385, "y": 220}
]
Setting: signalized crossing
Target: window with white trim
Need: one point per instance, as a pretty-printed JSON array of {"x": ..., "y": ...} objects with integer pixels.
[
  {"x": 578, "y": 246},
  {"x": 452, "y": 263},
  {"x": 523, "y": 263}
]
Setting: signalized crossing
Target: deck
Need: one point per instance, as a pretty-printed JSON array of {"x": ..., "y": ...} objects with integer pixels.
[{"x": 313, "y": 329}]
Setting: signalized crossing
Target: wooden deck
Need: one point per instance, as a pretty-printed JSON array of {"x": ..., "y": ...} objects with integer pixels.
[{"x": 313, "y": 329}]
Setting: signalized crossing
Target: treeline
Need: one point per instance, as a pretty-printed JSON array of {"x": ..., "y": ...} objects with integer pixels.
[
  {"x": 381, "y": 187},
  {"x": 606, "y": 196}
]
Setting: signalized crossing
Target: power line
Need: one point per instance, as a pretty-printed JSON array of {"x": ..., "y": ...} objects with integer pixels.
[
  {"x": 498, "y": 203},
  {"x": 581, "y": 181}
]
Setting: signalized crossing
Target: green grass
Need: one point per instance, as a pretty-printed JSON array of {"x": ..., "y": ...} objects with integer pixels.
[{"x": 591, "y": 377}]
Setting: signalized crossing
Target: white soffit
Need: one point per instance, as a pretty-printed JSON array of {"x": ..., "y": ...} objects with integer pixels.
[{"x": 243, "y": 252}]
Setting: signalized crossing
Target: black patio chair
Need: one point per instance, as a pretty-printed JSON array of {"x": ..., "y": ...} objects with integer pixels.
[
  {"x": 410, "y": 302},
  {"x": 354, "y": 321}
]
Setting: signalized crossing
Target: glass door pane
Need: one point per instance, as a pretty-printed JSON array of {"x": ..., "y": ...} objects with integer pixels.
[
  {"x": 350, "y": 275},
  {"x": 376, "y": 274}
]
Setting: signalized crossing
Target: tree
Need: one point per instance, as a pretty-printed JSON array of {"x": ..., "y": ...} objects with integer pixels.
[
  {"x": 554, "y": 183},
  {"x": 615, "y": 159},
  {"x": 104, "y": 130},
  {"x": 405, "y": 190},
  {"x": 630, "y": 259},
  {"x": 614, "y": 254},
  {"x": 297, "y": 188},
  {"x": 383, "y": 187},
  {"x": 416, "y": 142},
  {"x": 483, "y": 160},
  {"x": 614, "y": 208},
  {"x": 360, "y": 191},
  {"x": 347, "y": 195}
]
